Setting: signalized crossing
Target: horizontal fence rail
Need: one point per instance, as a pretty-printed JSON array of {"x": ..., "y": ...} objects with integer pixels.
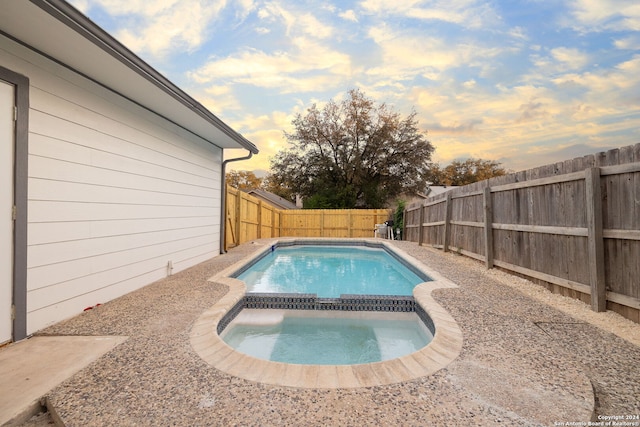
[
  {"x": 573, "y": 226},
  {"x": 249, "y": 218}
]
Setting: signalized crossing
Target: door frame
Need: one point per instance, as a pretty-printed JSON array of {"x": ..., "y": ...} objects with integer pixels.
[{"x": 20, "y": 178}]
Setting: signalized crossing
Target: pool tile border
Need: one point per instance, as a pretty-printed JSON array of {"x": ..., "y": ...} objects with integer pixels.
[
  {"x": 443, "y": 349},
  {"x": 346, "y": 303}
]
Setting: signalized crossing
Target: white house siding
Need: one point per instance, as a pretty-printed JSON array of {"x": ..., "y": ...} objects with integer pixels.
[{"x": 115, "y": 192}]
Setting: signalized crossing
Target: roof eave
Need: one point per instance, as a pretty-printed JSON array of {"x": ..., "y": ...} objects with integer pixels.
[{"x": 74, "y": 19}]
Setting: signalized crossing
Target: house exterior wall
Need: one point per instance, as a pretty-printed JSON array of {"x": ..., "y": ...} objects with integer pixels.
[{"x": 115, "y": 192}]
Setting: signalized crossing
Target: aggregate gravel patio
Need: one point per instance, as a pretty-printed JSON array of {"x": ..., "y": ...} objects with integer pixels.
[{"x": 523, "y": 362}]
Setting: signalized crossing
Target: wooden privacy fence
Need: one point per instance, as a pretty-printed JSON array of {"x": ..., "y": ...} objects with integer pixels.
[
  {"x": 573, "y": 226},
  {"x": 249, "y": 218},
  {"x": 331, "y": 222}
]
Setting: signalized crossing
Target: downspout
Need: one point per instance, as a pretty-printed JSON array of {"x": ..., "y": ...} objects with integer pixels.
[{"x": 223, "y": 199}]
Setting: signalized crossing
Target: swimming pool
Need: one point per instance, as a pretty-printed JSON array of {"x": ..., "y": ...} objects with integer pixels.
[
  {"x": 324, "y": 284},
  {"x": 446, "y": 343},
  {"x": 330, "y": 271}
]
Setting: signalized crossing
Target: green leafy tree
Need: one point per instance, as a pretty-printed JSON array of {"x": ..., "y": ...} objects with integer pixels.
[
  {"x": 274, "y": 184},
  {"x": 243, "y": 180},
  {"x": 353, "y": 154},
  {"x": 465, "y": 172}
]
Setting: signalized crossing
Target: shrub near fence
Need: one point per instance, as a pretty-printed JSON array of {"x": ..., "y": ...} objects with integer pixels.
[
  {"x": 573, "y": 226},
  {"x": 249, "y": 218}
]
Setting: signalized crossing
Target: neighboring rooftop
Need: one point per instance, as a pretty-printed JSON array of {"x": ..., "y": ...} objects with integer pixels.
[
  {"x": 273, "y": 199},
  {"x": 430, "y": 191},
  {"x": 434, "y": 190}
]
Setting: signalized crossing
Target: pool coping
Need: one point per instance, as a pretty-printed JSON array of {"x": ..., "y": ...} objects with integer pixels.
[{"x": 445, "y": 346}]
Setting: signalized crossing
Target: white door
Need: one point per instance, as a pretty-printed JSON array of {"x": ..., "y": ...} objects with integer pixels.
[{"x": 7, "y": 135}]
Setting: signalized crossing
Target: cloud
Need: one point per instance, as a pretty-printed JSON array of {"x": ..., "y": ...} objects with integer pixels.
[
  {"x": 305, "y": 60},
  {"x": 518, "y": 33},
  {"x": 488, "y": 79},
  {"x": 161, "y": 27},
  {"x": 628, "y": 43},
  {"x": 220, "y": 99},
  {"x": 530, "y": 123},
  {"x": 570, "y": 59},
  {"x": 531, "y": 111},
  {"x": 244, "y": 8},
  {"x": 558, "y": 60},
  {"x": 466, "y": 128},
  {"x": 406, "y": 55},
  {"x": 269, "y": 130},
  {"x": 466, "y": 13},
  {"x": 295, "y": 21},
  {"x": 469, "y": 84},
  {"x": 349, "y": 15},
  {"x": 614, "y": 88},
  {"x": 602, "y": 15},
  {"x": 306, "y": 67}
]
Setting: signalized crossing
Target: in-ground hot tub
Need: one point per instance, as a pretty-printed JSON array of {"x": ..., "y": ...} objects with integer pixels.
[
  {"x": 309, "y": 337},
  {"x": 445, "y": 344}
]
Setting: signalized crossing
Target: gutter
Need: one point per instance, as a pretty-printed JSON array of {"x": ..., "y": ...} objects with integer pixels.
[{"x": 223, "y": 200}]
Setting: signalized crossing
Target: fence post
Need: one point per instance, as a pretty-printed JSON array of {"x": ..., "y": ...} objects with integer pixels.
[
  {"x": 238, "y": 218},
  {"x": 259, "y": 231},
  {"x": 420, "y": 222},
  {"x": 273, "y": 222},
  {"x": 227, "y": 219},
  {"x": 447, "y": 222},
  {"x": 488, "y": 230},
  {"x": 404, "y": 224},
  {"x": 595, "y": 240}
]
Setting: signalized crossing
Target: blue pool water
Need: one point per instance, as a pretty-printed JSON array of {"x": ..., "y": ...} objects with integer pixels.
[
  {"x": 330, "y": 271},
  {"x": 328, "y": 341}
]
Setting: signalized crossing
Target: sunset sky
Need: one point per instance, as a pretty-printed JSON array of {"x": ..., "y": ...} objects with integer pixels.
[{"x": 525, "y": 83}]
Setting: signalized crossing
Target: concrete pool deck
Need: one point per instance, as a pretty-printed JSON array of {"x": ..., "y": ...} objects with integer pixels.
[{"x": 523, "y": 362}]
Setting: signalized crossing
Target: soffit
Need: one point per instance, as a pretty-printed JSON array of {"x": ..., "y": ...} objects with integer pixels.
[{"x": 59, "y": 31}]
